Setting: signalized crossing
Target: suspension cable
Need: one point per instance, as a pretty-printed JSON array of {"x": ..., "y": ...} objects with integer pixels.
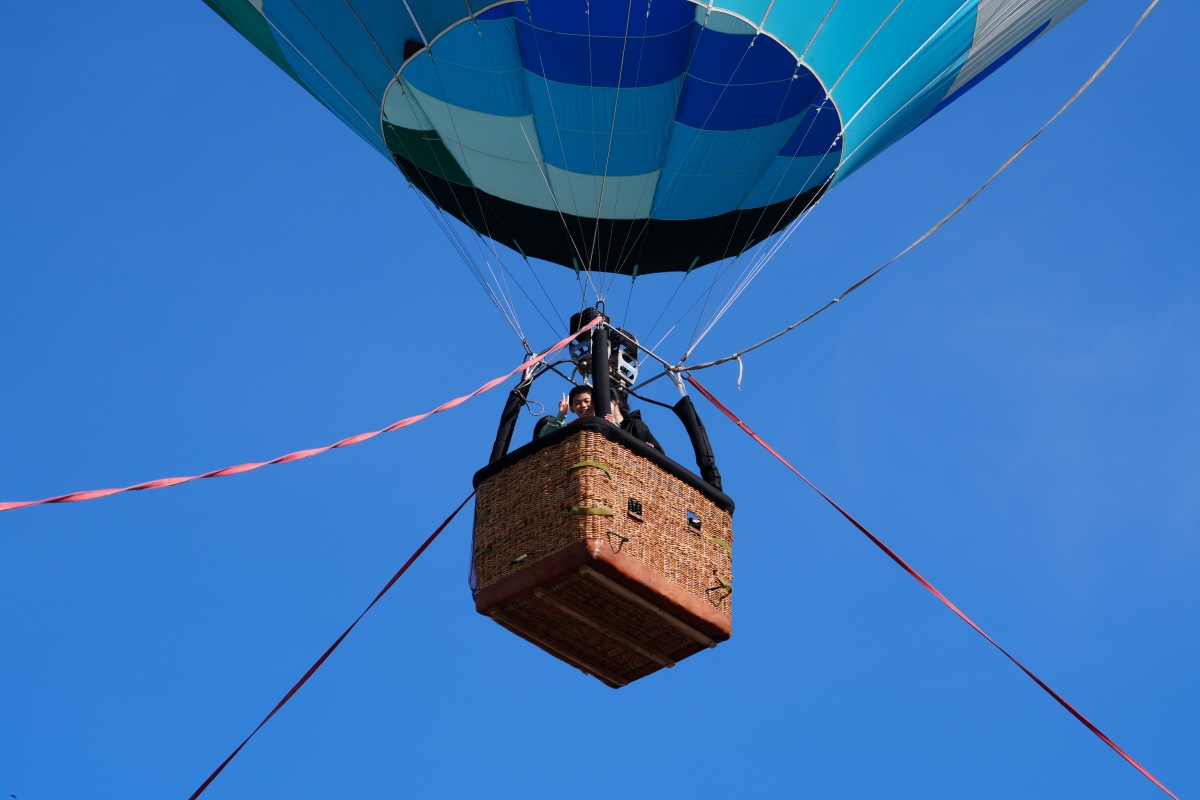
[
  {"x": 337, "y": 643},
  {"x": 953, "y": 213},
  {"x": 931, "y": 588}
]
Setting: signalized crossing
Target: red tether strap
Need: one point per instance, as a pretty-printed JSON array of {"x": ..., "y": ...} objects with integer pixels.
[
  {"x": 892, "y": 555},
  {"x": 163, "y": 483},
  {"x": 332, "y": 647}
]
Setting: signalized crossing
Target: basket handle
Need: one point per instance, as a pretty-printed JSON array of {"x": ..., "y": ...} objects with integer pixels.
[{"x": 602, "y": 467}]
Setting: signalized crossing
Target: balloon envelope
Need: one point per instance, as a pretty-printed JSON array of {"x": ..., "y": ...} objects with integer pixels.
[{"x": 635, "y": 136}]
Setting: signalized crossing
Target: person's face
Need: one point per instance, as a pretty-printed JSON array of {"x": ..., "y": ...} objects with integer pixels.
[{"x": 581, "y": 404}]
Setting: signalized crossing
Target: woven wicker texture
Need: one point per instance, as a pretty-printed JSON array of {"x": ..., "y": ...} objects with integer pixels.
[{"x": 580, "y": 490}]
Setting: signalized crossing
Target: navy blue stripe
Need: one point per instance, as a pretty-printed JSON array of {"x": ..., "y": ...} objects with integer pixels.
[
  {"x": 721, "y": 106},
  {"x": 603, "y": 60},
  {"x": 739, "y": 58},
  {"x": 584, "y": 18},
  {"x": 816, "y": 134},
  {"x": 499, "y": 12}
]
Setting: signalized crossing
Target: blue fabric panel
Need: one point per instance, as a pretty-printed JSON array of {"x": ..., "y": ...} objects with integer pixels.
[
  {"x": 610, "y": 19},
  {"x": 574, "y": 122},
  {"x": 353, "y": 116},
  {"x": 386, "y": 24},
  {"x": 497, "y": 12},
  {"x": 719, "y": 107},
  {"x": 840, "y": 45},
  {"x": 481, "y": 73},
  {"x": 703, "y": 152},
  {"x": 433, "y": 16},
  {"x": 995, "y": 65},
  {"x": 600, "y": 110},
  {"x": 337, "y": 77},
  {"x": 489, "y": 45},
  {"x": 499, "y": 93},
  {"x": 698, "y": 196},
  {"x": 604, "y": 60},
  {"x": 737, "y": 58},
  {"x": 335, "y": 44},
  {"x": 698, "y": 162},
  {"x": 784, "y": 178},
  {"x": 818, "y": 133},
  {"x": 341, "y": 38},
  {"x": 625, "y": 154},
  {"x": 737, "y": 82},
  {"x": 911, "y": 95}
]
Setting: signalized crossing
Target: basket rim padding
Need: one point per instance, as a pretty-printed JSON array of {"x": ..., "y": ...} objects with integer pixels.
[{"x": 613, "y": 434}]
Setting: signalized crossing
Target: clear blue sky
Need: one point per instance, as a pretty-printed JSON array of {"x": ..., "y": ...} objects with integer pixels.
[{"x": 202, "y": 267}]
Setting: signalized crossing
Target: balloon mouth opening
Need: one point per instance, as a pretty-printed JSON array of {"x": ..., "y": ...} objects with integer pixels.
[{"x": 656, "y": 137}]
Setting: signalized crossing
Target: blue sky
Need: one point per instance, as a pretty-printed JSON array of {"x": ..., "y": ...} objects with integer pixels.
[{"x": 202, "y": 267}]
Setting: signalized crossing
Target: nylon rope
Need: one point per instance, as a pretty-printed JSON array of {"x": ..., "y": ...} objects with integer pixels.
[
  {"x": 594, "y": 247},
  {"x": 817, "y": 32},
  {"x": 757, "y": 262},
  {"x": 501, "y": 291},
  {"x": 955, "y": 211},
  {"x": 374, "y": 41},
  {"x": 164, "y": 483},
  {"x": 456, "y": 241},
  {"x": 724, "y": 271},
  {"x": 932, "y": 37},
  {"x": 328, "y": 82},
  {"x": 442, "y": 219},
  {"x": 475, "y": 193},
  {"x": 764, "y": 256},
  {"x": 537, "y": 158},
  {"x": 692, "y": 144},
  {"x": 928, "y": 586},
  {"x": 317, "y": 665},
  {"x": 618, "y": 263},
  {"x": 696, "y": 335},
  {"x": 629, "y": 248},
  {"x": 575, "y": 244}
]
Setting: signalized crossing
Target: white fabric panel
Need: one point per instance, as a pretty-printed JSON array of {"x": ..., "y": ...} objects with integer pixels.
[
  {"x": 1002, "y": 24},
  {"x": 618, "y": 197}
]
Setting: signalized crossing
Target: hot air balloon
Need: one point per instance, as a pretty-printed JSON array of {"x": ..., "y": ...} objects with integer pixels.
[{"x": 625, "y": 138}]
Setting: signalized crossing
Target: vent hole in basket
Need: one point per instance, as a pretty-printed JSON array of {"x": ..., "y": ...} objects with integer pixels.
[
  {"x": 635, "y": 509},
  {"x": 693, "y": 521}
]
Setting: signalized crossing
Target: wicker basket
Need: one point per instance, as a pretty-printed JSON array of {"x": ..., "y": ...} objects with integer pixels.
[{"x": 603, "y": 552}]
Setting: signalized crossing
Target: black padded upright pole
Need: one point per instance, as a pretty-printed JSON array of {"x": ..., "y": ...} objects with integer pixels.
[
  {"x": 508, "y": 421},
  {"x": 705, "y": 459},
  {"x": 601, "y": 396}
]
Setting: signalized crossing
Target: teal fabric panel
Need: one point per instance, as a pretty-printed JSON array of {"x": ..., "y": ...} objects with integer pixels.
[
  {"x": 574, "y": 123},
  {"x": 707, "y": 173}
]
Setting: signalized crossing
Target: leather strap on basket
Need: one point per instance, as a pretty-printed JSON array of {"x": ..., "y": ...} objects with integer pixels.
[
  {"x": 602, "y": 467},
  {"x": 590, "y": 511}
]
